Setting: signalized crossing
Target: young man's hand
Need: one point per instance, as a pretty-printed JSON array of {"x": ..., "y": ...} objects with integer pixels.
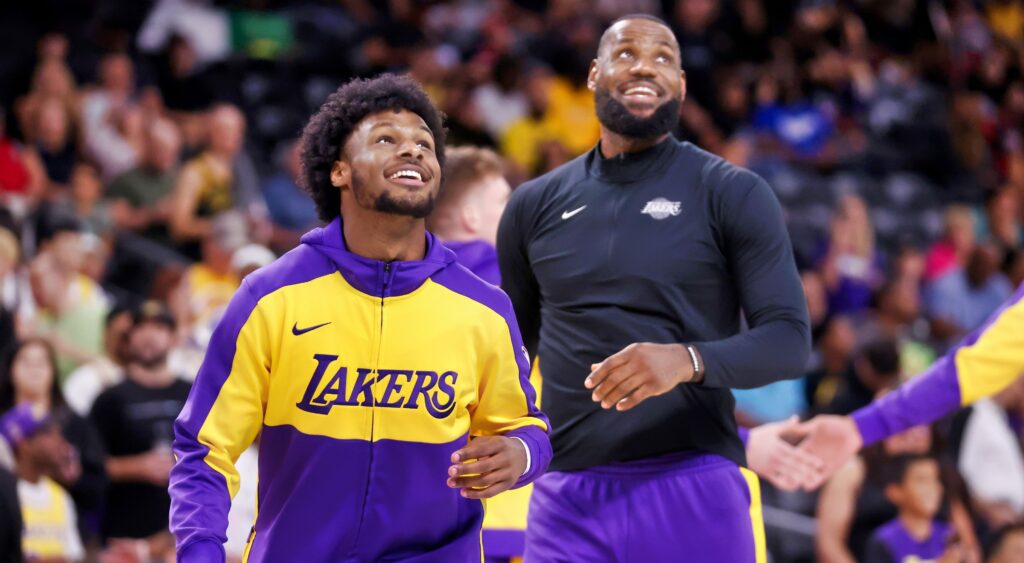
[{"x": 487, "y": 466}]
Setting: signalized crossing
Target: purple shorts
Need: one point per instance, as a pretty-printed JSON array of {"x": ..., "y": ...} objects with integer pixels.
[{"x": 681, "y": 507}]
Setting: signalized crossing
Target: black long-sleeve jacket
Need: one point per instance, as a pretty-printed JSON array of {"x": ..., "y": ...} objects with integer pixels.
[{"x": 670, "y": 245}]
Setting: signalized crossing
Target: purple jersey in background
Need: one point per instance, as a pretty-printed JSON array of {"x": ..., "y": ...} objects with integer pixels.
[
  {"x": 893, "y": 543},
  {"x": 479, "y": 257}
]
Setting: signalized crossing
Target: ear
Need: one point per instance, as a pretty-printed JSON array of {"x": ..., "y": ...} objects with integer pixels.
[
  {"x": 592, "y": 76},
  {"x": 470, "y": 217},
  {"x": 682, "y": 86},
  {"x": 340, "y": 173}
]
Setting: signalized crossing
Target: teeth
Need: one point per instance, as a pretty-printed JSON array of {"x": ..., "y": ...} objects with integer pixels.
[
  {"x": 642, "y": 90},
  {"x": 406, "y": 174}
]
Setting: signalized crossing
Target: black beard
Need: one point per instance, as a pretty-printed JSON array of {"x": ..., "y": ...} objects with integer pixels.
[
  {"x": 386, "y": 203},
  {"x": 614, "y": 115},
  {"x": 149, "y": 362}
]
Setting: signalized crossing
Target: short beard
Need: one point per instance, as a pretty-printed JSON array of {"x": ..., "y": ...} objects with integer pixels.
[
  {"x": 386, "y": 203},
  {"x": 617, "y": 118},
  {"x": 150, "y": 363}
]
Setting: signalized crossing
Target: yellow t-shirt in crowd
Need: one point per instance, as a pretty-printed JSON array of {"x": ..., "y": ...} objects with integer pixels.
[{"x": 51, "y": 529}]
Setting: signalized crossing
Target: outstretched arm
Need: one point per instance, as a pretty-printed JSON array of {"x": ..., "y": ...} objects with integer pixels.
[{"x": 984, "y": 363}]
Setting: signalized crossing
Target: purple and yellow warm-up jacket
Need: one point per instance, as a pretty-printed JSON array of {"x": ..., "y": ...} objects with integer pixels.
[
  {"x": 982, "y": 364},
  {"x": 361, "y": 379}
]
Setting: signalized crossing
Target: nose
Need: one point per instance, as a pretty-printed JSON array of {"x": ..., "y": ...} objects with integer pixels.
[
  {"x": 410, "y": 149},
  {"x": 642, "y": 68}
]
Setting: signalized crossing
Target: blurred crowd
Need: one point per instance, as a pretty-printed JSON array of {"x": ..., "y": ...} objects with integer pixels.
[{"x": 148, "y": 163}]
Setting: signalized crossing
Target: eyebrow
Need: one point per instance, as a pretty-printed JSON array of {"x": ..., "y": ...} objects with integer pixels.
[
  {"x": 659, "y": 42},
  {"x": 391, "y": 124}
]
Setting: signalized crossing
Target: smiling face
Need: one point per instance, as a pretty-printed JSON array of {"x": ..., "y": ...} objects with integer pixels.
[
  {"x": 636, "y": 79},
  {"x": 389, "y": 165}
]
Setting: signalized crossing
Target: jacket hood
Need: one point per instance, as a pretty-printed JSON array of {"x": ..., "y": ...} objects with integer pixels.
[{"x": 371, "y": 276}]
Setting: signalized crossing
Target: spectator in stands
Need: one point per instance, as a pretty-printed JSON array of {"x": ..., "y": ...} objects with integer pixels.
[
  {"x": 67, "y": 308},
  {"x": 875, "y": 369},
  {"x": 850, "y": 263},
  {"x": 908, "y": 268},
  {"x": 896, "y": 315},
  {"x": 291, "y": 209},
  {"x": 220, "y": 179},
  {"x": 52, "y": 80},
  {"x": 912, "y": 483},
  {"x": 29, "y": 378},
  {"x": 501, "y": 101},
  {"x": 184, "y": 86},
  {"x": 1002, "y": 223},
  {"x": 208, "y": 285},
  {"x": 991, "y": 459},
  {"x": 55, "y": 147},
  {"x": 140, "y": 198},
  {"x": 469, "y": 206},
  {"x": 956, "y": 246},
  {"x": 87, "y": 202},
  {"x": 524, "y": 138},
  {"x": 89, "y": 380},
  {"x": 801, "y": 129},
  {"x": 50, "y": 527},
  {"x": 834, "y": 348},
  {"x": 111, "y": 120},
  {"x": 464, "y": 123},
  {"x": 135, "y": 420},
  {"x": 961, "y": 300},
  {"x": 10, "y": 286},
  {"x": 853, "y": 504},
  {"x": 21, "y": 183}
]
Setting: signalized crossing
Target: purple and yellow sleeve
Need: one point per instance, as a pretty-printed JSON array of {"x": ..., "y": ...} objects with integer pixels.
[
  {"x": 507, "y": 402},
  {"x": 984, "y": 363},
  {"x": 221, "y": 418}
]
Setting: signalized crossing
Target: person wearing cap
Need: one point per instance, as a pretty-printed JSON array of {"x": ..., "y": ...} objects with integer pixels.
[
  {"x": 34, "y": 441},
  {"x": 250, "y": 258},
  {"x": 135, "y": 419}
]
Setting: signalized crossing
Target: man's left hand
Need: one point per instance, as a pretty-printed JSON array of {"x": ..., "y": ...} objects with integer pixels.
[
  {"x": 638, "y": 372},
  {"x": 487, "y": 466}
]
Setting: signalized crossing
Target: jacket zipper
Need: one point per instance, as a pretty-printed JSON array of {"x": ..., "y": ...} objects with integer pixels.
[{"x": 373, "y": 397}]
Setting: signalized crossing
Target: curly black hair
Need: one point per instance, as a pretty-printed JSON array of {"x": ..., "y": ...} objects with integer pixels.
[{"x": 327, "y": 131}]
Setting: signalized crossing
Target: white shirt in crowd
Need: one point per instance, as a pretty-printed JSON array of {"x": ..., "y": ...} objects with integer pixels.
[{"x": 991, "y": 460}]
